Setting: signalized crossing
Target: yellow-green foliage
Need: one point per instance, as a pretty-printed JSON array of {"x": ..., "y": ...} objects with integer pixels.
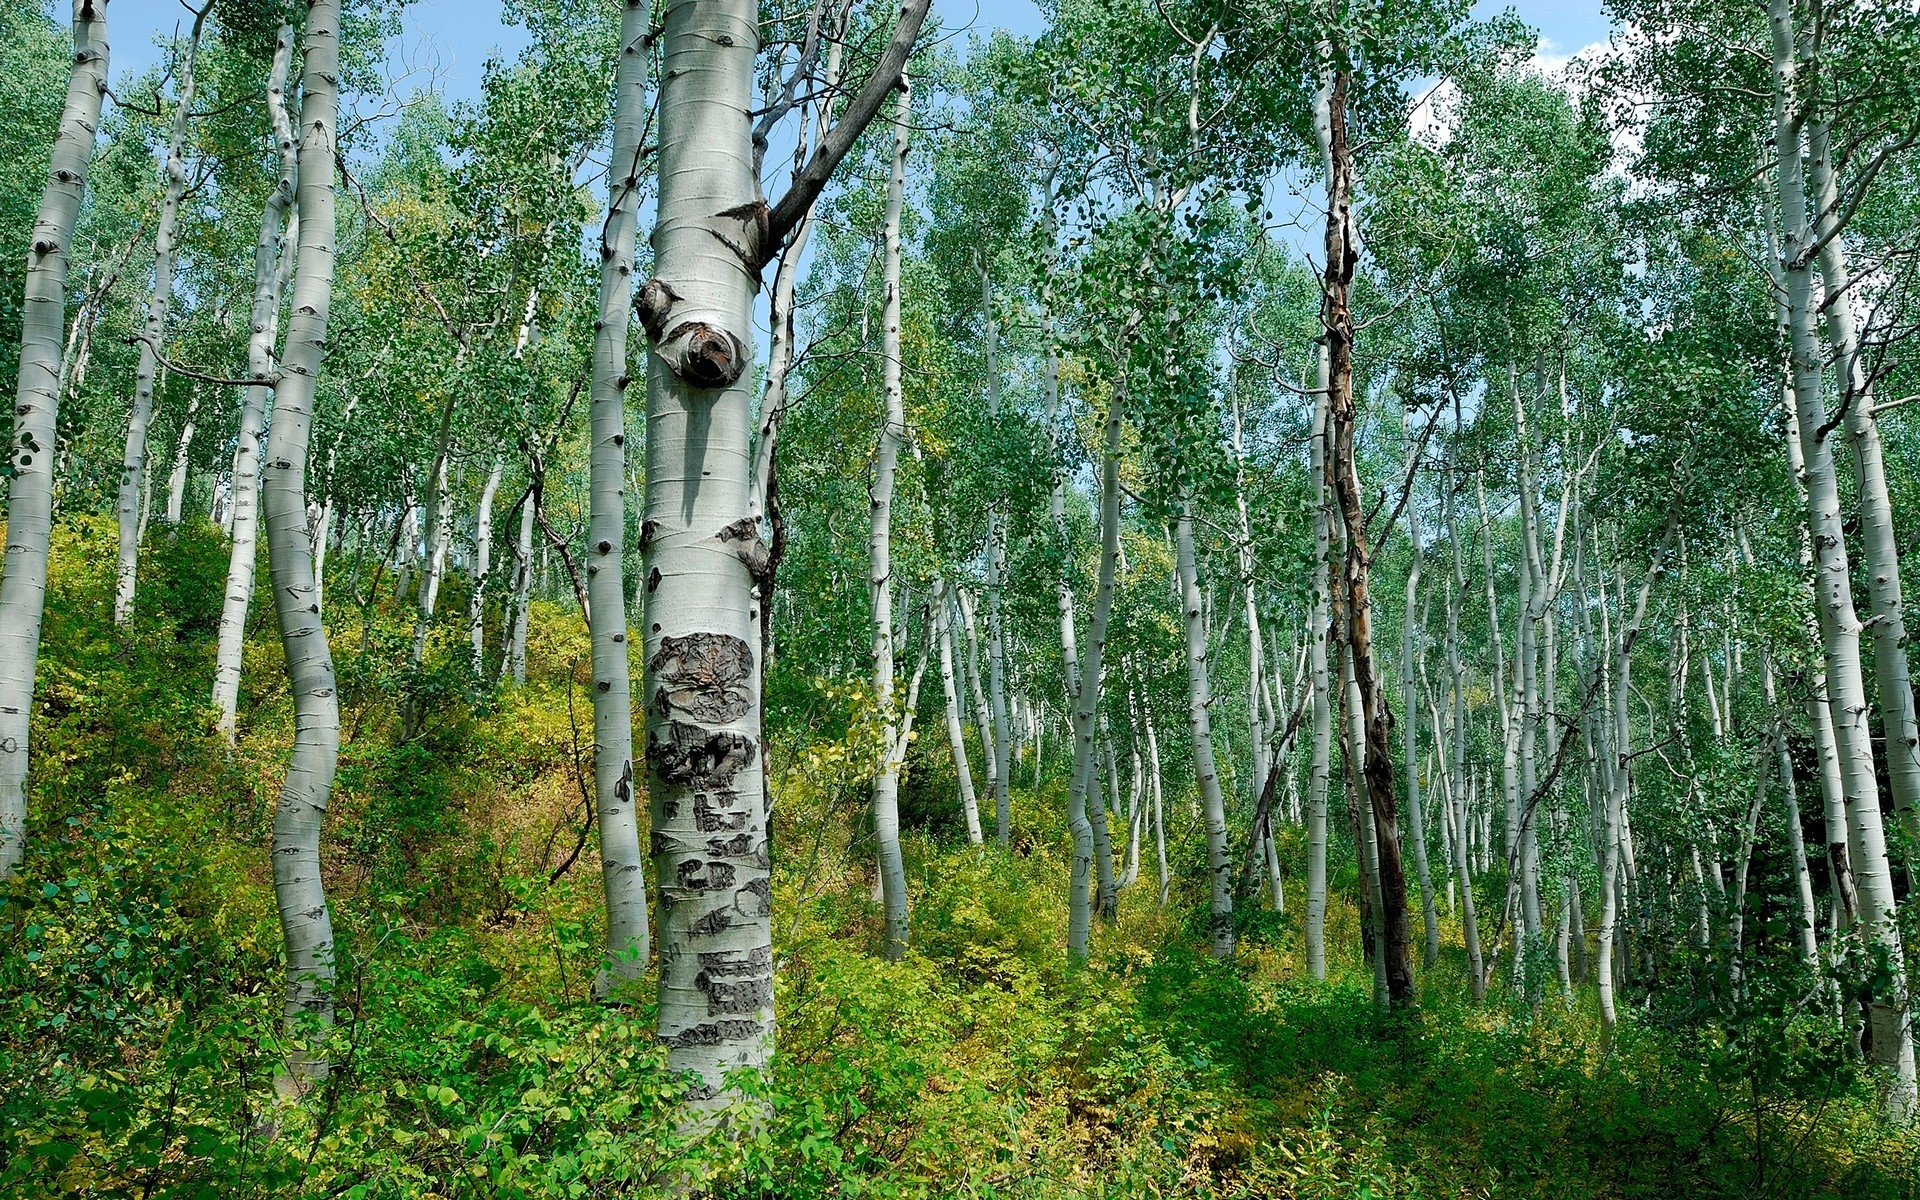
[{"x": 139, "y": 976}]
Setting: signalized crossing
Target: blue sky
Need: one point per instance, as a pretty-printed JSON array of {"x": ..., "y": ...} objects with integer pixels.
[{"x": 457, "y": 35}]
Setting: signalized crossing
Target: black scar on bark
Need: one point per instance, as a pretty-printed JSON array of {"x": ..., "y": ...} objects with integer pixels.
[
  {"x": 721, "y": 818},
  {"x": 697, "y": 876},
  {"x": 655, "y": 301},
  {"x": 700, "y": 758},
  {"x": 713, "y": 923},
  {"x": 713, "y": 1033},
  {"x": 734, "y": 847},
  {"x": 758, "y": 219},
  {"x": 704, "y": 674},
  {"x": 744, "y": 540},
  {"x": 647, "y": 530},
  {"x": 711, "y": 358},
  {"x": 736, "y": 982},
  {"x": 754, "y": 898}
]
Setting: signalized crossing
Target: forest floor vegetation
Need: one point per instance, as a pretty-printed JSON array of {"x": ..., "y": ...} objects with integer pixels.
[{"x": 139, "y": 971}]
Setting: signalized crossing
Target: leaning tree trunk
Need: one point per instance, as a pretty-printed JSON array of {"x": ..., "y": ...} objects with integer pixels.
[
  {"x": 23, "y": 583},
  {"x": 1457, "y": 807},
  {"x": 893, "y": 432},
  {"x": 1375, "y": 754},
  {"x": 622, "y": 870},
  {"x": 304, "y": 916},
  {"x": 1199, "y": 724},
  {"x": 1409, "y": 636},
  {"x": 1890, "y": 1012},
  {"x": 1878, "y": 543},
  {"x": 956, "y": 730},
  {"x": 177, "y": 477},
  {"x": 133, "y": 473}
]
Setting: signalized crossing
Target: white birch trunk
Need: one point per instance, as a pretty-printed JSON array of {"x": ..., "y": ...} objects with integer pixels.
[
  {"x": 1320, "y": 771},
  {"x": 1199, "y": 723},
  {"x": 23, "y": 583},
  {"x": 1416, "y": 818},
  {"x": 305, "y": 920},
  {"x": 893, "y": 432},
  {"x": 956, "y": 731},
  {"x": 1879, "y": 546},
  {"x": 1617, "y": 754},
  {"x": 133, "y": 473},
  {"x": 513, "y": 662},
  {"x": 177, "y": 477},
  {"x": 622, "y": 869},
  {"x": 483, "y": 569},
  {"x": 998, "y": 750},
  {"x": 1890, "y": 1014},
  {"x": 1085, "y": 681},
  {"x": 700, "y": 546},
  {"x": 983, "y": 713}
]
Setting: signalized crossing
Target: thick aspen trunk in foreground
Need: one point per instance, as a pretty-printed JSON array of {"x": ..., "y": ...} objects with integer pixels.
[
  {"x": 700, "y": 551},
  {"x": 305, "y": 920},
  {"x": 23, "y": 580},
  {"x": 703, "y": 558},
  {"x": 133, "y": 472},
  {"x": 622, "y": 870}
]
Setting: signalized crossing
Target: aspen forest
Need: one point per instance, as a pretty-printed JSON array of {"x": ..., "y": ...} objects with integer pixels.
[{"x": 1025, "y": 601}]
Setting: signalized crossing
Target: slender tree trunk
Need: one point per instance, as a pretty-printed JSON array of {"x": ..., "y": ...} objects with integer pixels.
[
  {"x": 483, "y": 568},
  {"x": 23, "y": 583},
  {"x": 1617, "y": 754},
  {"x": 1458, "y": 804},
  {"x": 305, "y": 919},
  {"x": 177, "y": 477},
  {"x": 997, "y": 753},
  {"x": 622, "y": 873},
  {"x": 1199, "y": 725},
  {"x": 956, "y": 731},
  {"x": 1321, "y": 682},
  {"x": 983, "y": 718},
  {"x": 1879, "y": 545},
  {"x": 434, "y": 560},
  {"x": 1085, "y": 691},
  {"x": 893, "y": 433},
  {"x": 513, "y": 662},
  {"x": 1375, "y": 753},
  {"x": 133, "y": 481},
  {"x": 1409, "y": 636}
]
